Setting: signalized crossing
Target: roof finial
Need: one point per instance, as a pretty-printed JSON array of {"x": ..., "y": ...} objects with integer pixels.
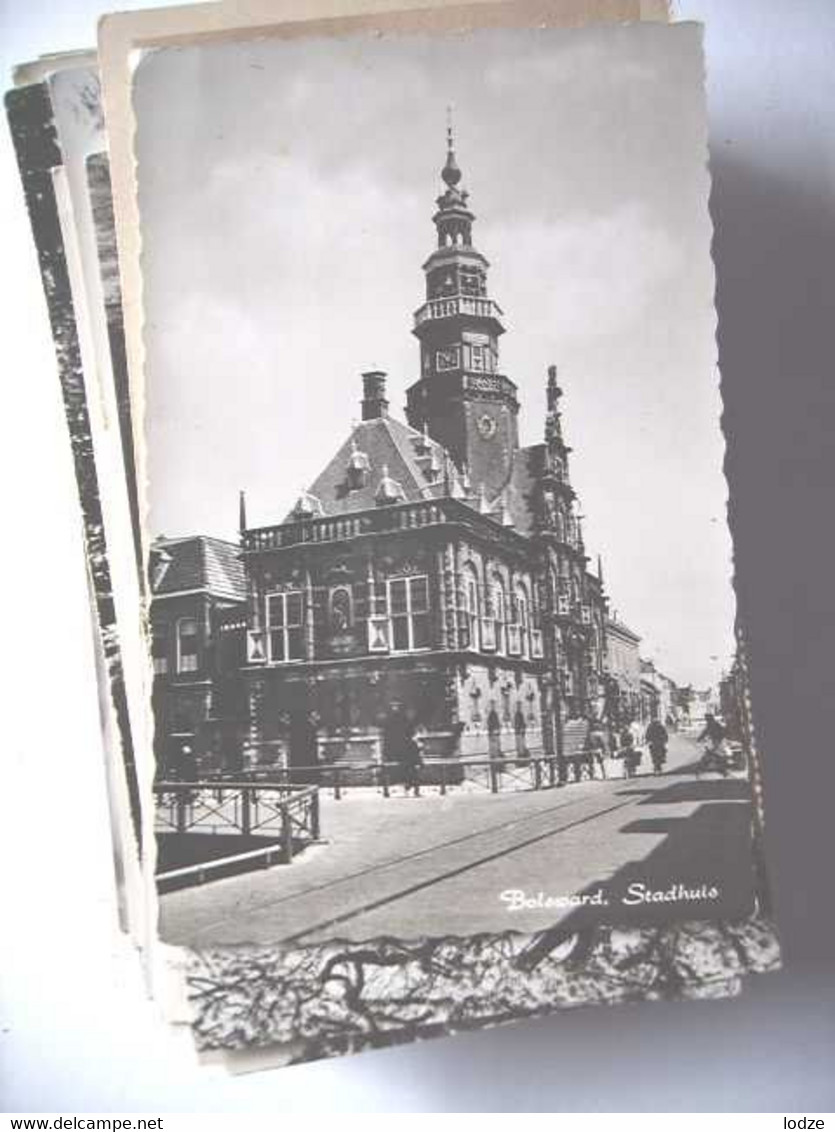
[
  {"x": 553, "y": 390},
  {"x": 450, "y": 173}
]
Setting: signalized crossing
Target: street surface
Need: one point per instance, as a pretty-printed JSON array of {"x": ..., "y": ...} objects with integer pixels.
[{"x": 437, "y": 865}]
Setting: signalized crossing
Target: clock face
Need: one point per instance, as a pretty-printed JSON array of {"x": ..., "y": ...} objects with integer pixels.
[{"x": 487, "y": 425}]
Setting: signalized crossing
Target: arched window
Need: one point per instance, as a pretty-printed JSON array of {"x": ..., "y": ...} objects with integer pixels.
[
  {"x": 341, "y": 613},
  {"x": 499, "y": 611},
  {"x": 471, "y": 608}
]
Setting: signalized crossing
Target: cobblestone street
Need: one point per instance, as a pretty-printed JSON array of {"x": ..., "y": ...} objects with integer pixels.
[{"x": 438, "y": 865}]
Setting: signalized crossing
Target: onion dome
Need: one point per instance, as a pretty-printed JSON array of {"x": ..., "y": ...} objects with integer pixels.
[
  {"x": 308, "y": 506},
  {"x": 450, "y": 173},
  {"x": 389, "y": 490}
]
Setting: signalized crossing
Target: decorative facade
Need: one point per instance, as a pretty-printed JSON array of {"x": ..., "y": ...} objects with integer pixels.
[{"x": 435, "y": 571}]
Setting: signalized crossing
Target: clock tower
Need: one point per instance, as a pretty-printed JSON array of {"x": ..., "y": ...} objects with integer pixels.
[{"x": 462, "y": 399}]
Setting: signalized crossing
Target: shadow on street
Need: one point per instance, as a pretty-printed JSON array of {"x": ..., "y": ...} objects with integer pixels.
[{"x": 707, "y": 849}]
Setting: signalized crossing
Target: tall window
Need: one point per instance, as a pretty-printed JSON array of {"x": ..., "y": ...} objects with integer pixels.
[
  {"x": 522, "y": 617},
  {"x": 284, "y": 627},
  {"x": 478, "y": 357},
  {"x": 159, "y": 649},
  {"x": 499, "y": 612},
  {"x": 408, "y": 602},
  {"x": 471, "y": 606},
  {"x": 187, "y": 644}
]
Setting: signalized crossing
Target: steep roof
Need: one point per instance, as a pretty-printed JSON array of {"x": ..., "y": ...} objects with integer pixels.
[
  {"x": 520, "y": 490},
  {"x": 392, "y": 449},
  {"x": 198, "y": 563}
]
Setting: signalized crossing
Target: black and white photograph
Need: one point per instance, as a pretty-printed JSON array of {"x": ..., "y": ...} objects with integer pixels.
[
  {"x": 418, "y": 437},
  {"x": 442, "y": 612}
]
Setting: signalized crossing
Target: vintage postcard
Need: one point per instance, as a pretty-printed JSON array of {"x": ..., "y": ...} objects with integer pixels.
[
  {"x": 441, "y": 617},
  {"x": 400, "y": 460},
  {"x": 57, "y": 125}
]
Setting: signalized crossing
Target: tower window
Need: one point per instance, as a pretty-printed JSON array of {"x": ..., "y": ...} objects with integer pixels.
[
  {"x": 447, "y": 359},
  {"x": 470, "y": 282},
  {"x": 408, "y": 606},
  {"x": 285, "y": 612}
]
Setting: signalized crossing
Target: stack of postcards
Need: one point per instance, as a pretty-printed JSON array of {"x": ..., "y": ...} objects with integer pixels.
[{"x": 386, "y": 340}]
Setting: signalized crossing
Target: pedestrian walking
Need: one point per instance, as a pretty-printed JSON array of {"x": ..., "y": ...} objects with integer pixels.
[
  {"x": 494, "y": 732},
  {"x": 412, "y": 759},
  {"x": 629, "y": 753},
  {"x": 401, "y": 748},
  {"x": 520, "y": 728},
  {"x": 598, "y": 749},
  {"x": 657, "y": 739}
]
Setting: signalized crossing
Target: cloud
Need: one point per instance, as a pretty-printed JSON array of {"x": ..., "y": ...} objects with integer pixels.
[
  {"x": 589, "y": 63},
  {"x": 596, "y": 276}
]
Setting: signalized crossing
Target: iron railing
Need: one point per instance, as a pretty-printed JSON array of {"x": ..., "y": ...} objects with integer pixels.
[
  {"x": 535, "y": 772},
  {"x": 276, "y": 809}
]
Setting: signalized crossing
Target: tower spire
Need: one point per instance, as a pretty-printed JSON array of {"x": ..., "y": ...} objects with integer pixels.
[
  {"x": 470, "y": 407},
  {"x": 450, "y": 174}
]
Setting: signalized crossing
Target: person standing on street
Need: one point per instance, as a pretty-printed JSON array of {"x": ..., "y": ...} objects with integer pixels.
[{"x": 629, "y": 753}]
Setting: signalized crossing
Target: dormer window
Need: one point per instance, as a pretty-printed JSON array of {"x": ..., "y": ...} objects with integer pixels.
[
  {"x": 422, "y": 443},
  {"x": 389, "y": 490},
  {"x": 358, "y": 467},
  {"x": 308, "y": 506},
  {"x": 433, "y": 467}
]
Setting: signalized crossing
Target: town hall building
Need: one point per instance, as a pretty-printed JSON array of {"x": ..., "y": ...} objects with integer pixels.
[{"x": 435, "y": 571}]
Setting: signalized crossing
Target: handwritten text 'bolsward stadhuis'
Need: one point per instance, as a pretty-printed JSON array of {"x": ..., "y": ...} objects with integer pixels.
[{"x": 518, "y": 900}]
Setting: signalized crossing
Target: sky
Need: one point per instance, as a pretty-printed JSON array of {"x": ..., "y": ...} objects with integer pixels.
[{"x": 286, "y": 191}]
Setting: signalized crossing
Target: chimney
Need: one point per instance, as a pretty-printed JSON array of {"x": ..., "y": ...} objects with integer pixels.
[{"x": 374, "y": 403}]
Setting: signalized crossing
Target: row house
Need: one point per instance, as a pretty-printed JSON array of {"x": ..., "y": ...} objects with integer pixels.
[{"x": 197, "y": 629}]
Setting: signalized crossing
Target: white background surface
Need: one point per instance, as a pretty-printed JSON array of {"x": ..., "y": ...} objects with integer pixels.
[{"x": 77, "y": 1033}]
